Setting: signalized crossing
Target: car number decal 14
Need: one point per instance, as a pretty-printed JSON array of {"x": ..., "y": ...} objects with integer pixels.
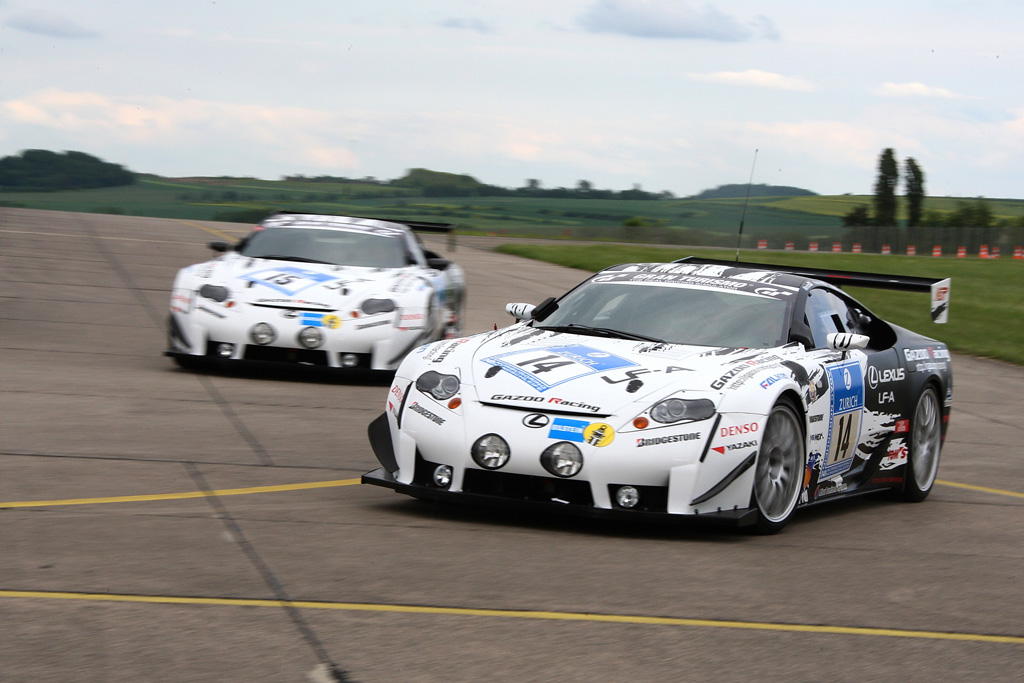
[
  {"x": 847, "y": 380},
  {"x": 550, "y": 366},
  {"x": 289, "y": 280}
]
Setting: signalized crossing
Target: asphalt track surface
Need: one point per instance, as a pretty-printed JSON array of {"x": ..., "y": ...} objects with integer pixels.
[{"x": 158, "y": 524}]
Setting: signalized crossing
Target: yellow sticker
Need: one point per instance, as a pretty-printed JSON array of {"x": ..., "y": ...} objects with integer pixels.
[
  {"x": 599, "y": 434},
  {"x": 332, "y": 321}
]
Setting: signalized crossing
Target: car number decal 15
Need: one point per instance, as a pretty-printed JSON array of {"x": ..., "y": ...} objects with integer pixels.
[
  {"x": 847, "y": 380},
  {"x": 550, "y": 366},
  {"x": 288, "y": 280}
]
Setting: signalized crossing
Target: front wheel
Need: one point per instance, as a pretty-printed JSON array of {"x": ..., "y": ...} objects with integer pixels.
[
  {"x": 925, "y": 446},
  {"x": 779, "y": 471}
]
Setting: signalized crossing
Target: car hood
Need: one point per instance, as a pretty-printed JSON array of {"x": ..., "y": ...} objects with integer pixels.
[
  {"x": 312, "y": 286},
  {"x": 524, "y": 367}
]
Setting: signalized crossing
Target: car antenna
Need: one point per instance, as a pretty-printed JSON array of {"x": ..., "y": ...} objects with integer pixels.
[{"x": 739, "y": 238}]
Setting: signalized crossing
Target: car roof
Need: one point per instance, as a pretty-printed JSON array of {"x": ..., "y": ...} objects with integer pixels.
[
  {"x": 314, "y": 220},
  {"x": 766, "y": 282}
]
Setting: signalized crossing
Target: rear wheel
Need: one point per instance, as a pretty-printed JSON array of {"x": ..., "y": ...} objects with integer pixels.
[
  {"x": 779, "y": 471},
  {"x": 925, "y": 446}
]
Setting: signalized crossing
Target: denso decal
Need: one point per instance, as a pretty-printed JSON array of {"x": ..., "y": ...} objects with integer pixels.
[
  {"x": 736, "y": 430},
  {"x": 550, "y": 366},
  {"x": 672, "y": 438},
  {"x": 289, "y": 280}
]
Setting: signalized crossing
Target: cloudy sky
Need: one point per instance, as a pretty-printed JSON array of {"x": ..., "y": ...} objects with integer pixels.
[{"x": 674, "y": 95}]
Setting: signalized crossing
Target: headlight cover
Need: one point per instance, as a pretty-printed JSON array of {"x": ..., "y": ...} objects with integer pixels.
[
  {"x": 215, "y": 293},
  {"x": 373, "y": 306},
  {"x": 678, "y": 409},
  {"x": 441, "y": 387}
]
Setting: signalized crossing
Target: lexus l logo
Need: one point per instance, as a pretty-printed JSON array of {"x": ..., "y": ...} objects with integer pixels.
[{"x": 536, "y": 420}]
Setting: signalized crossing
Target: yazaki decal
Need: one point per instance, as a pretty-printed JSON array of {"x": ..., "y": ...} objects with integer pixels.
[
  {"x": 847, "y": 380},
  {"x": 289, "y": 280},
  {"x": 544, "y": 368}
]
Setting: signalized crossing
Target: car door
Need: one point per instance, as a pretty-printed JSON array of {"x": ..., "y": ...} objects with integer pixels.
[{"x": 839, "y": 435}]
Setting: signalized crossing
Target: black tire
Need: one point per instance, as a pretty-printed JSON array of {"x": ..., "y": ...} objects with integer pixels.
[
  {"x": 779, "y": 470},
  {"x": 925, "y": 446}
]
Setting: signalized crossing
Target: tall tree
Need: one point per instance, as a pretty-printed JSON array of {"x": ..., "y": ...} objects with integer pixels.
[
  {"x": 885, "y": 188},
  {"x": 915, "y": 192}
]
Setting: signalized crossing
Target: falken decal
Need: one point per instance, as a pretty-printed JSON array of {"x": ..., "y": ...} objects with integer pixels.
[
  {"x": 289, "y": 280},
  {"x": 544, "y": 368},
  {"x": 847, "y": 380}
]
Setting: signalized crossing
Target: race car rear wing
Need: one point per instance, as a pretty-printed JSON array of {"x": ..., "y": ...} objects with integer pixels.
[{"x": 938, "y": 288}]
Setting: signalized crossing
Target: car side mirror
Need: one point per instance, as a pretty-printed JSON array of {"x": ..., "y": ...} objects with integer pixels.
[
  {"x": 843, "y": 341},
  {"x": 520, "y": 311},
  {"x": 438, "y": 262},
  {"x": 218, "y": 246}
]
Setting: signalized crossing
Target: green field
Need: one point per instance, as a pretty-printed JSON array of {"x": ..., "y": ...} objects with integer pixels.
[
  {"x": 986, "y": 317},
  {"x": 704, "y": 222}
]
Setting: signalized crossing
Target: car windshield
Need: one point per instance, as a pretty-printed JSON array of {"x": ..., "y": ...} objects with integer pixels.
[
  {"x": 317, "y": 245},
  {"x": 675, "y": 314}
]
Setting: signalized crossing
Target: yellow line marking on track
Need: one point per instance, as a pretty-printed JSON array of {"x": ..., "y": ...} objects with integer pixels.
[
  {"x": 316, "y": 485},
  {"x": 212, "y": 231},
  {"x": 178, "y": 496},
  {"x": 523, "y": 614},
  {"x": 983, "y": 489}
]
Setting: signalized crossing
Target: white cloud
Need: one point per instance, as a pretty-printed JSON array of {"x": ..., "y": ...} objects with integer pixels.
[
  {"x": 914, "y": 90},
  {"x": 756, "y": 78},
  {"x": 671, "y": 19}
]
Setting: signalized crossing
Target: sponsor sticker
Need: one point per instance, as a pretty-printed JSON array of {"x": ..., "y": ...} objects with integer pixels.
[
  {"x": 289, "y": 280},
  {"x": 847, "y": 380},
  {"x": 544, "y": 368}
]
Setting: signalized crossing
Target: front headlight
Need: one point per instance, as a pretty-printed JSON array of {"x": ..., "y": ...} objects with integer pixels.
[
  {"x": 215, "y": 293},
  {"x": 490, "y": 451},
  {"x": 679, "y": 409},
  {"x": 437, "y": 385},
  {"x": 562, "y": 459},
  {"x": 262, "y": 334}
]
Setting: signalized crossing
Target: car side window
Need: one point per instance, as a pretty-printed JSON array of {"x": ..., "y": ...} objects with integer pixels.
[{"x": 825, "y": 313}]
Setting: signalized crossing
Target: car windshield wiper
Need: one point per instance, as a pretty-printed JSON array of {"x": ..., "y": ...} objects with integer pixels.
[
  {"x": 601, "y": 332},
  {"x": 303, "y": 259}
]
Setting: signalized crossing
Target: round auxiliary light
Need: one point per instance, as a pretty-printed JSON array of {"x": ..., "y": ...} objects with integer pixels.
[
  {"x": 562, "y": 459},
  {"x": 627, "y": 497},
  {"x": 262, "y": 334},
  {"x": 442, "y": 476},
  {"x": 490, "y": 451},
  {"x": 224, "y": 350},
  {"x": 641, "y": 422},
  {"x": 349, "y": 360},
  {"x": 311, "y": 337}
]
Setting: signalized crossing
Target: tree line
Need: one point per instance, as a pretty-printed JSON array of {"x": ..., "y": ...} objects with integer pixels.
[
  {"x": 971, "y": 224},
  {"x": 39, "y": 170}
]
